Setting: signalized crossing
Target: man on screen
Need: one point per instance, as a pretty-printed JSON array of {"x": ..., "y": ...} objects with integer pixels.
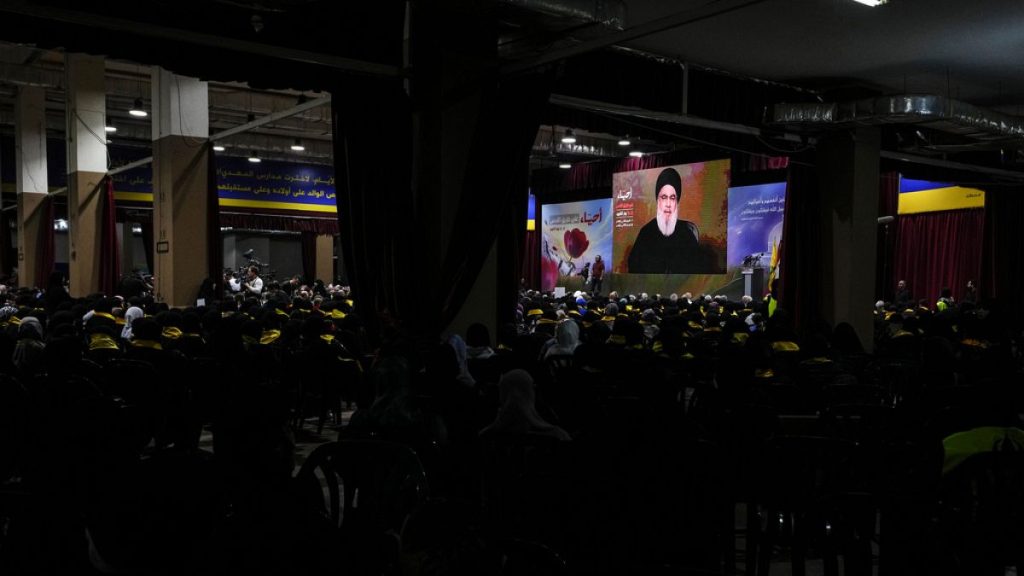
[{"x": 666, "y": 244}]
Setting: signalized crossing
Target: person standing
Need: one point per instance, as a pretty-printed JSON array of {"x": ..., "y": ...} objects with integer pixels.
[
  {"x": 971, "y": 293},
  {"x": 596, "y": 275},
  {"x": 902, "y": 300},
  {"x": 771, "y": 300},
  {"x": 253, "y": 284}
]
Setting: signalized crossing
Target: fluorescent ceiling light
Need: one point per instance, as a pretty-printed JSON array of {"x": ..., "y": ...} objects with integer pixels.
[
  {"x": 254, "y": 158},
  {"x": 297, "y": 146},
  {"x": 137, "y": 109},
  {"x": 872, "y": 3},
  {"x": 625, "y": 141},
  {"x": 110, "y": 129},
  {"x": 565, "y": 165},
  {"x": 636, "y": 153},
  {"x": 218, "y": 148},
  {"x": 569, "y": 137}
]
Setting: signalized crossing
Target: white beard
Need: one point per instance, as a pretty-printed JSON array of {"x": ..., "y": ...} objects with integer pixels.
[{"x": 667, "y": 228}]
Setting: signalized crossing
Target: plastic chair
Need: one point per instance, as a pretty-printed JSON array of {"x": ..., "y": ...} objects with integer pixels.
[
  {"x": 981, "y": 514},
  {"x": 528, "y": 558},
  {"x": 525, "y": 486},
  {"x": 812, "y": 492},
  {"x": 362, "y": 487},
  {"x": 862, "y": 394}
]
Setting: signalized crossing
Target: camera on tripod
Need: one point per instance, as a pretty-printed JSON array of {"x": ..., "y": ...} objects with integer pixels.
[{"x": 252, "y": 260}]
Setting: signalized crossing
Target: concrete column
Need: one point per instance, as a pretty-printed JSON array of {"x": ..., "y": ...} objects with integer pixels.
[
  {"x": 87, "y": 164},
  {"x": 848, "y": 182},
  {"x": 181, "y": 126},
  {"x": 325, "y": 258},
  {"x": 32, "y": 184}
]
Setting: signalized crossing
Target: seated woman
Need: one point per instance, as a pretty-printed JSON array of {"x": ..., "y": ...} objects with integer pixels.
[{"x": 518, "y": 412}]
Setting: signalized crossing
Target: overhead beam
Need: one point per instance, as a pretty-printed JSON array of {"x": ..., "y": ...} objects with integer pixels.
[
  {"x": 924, "y": 160},
  {"x": 271, "y": 118},
  {"x": 708, "y": 10},
  {"x": 697, "y": 122},
  {"x": 682, "y": 119},
  {"x": 123, "y": 26}
]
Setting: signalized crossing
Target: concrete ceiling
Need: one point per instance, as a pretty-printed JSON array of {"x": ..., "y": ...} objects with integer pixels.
[
  {"x": 973, "y": 51},
  {"x": 970, "y": 51},
  {"x": 231, "y": 104}
]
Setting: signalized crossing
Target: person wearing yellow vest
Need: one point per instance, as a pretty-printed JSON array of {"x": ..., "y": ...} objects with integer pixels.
[
  {"x": 945, "y": 301},
  {"x": 771, "y": 299}
]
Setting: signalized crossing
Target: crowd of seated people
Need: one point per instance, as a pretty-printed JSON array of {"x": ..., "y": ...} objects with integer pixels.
[{"x": 611, "y": 434}]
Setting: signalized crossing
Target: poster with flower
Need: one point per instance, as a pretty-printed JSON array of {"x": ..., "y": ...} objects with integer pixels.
[{"x": 573, "y": 234}]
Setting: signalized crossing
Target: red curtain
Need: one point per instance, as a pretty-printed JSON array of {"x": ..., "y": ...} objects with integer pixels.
[
  {"x": 45, "y": 243},
  {"x": 110, "y": 259},
  {"x": 285, "y": 223},
  {"x": 147, "y": 243},
  {"x": 888, "y": 203},
  {"x": 531, "y": 259},
  {"x": 6, "y": 248},
  {"x": 596, "y": 176},
  {"x": 939, "y": 250},
  {"x": 308, "y": 240},
  {"x": 214, "y": 247}
]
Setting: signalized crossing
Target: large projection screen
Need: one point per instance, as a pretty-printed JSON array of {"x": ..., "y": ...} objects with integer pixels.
[{"x": 671, "y": 228}]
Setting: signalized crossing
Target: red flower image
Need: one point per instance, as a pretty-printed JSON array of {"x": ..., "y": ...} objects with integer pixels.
[{"x": 576, "y": 242}]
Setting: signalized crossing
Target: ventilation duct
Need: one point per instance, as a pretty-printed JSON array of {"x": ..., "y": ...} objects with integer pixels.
[
  {"x": 611, "y": 13},
  {"x": 935, "y": 112}
]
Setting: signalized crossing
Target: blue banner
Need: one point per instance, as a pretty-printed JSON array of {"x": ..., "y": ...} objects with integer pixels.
[
  {"x": 275, "y": 185},
  {"x": 243, "y": 184},
  {"x": 755, "y": 225},
  {"x": 911, "y": 185}
]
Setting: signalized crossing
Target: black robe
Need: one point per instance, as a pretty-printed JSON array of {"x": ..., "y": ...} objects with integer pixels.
[{"x": 655, "y": 253}]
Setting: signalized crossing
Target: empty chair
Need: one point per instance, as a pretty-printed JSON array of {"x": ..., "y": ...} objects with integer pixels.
[
  {"x": 811, "y": 489},
  {"x": 364, "y": 489},
  {"x": 981, "y": 514}
]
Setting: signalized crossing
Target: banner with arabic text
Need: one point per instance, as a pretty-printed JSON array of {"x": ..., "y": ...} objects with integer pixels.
[
  {"x": 266, "y": 185},
  {"x": 573, "y": 235},
  {"x": 755, "y": 227}
]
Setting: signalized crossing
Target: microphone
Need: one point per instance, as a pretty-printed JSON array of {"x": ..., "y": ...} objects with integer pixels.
[{"x": 886, "y": 219}]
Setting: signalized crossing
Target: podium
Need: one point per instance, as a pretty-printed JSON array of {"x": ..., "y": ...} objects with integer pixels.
[{"x": 753, "y": 282}]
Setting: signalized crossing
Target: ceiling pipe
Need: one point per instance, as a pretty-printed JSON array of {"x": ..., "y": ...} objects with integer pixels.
[
  {"x": 611, "y": 13},
  {"x": 125, "y": 26},
  {"x": 703, "y": 12}
]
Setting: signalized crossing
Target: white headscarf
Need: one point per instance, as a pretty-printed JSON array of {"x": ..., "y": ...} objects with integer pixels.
[
  {"x": 133, "y": 314},
  {"x": 567, "y": 336},
  {"x": 518, "y": 413},
  {"x": 28, "y": 352}
]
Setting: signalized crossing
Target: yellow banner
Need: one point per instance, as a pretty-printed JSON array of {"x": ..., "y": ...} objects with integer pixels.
[
  {"x": 232, "y": 202},
  {"x": 938, "y": 199}
]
